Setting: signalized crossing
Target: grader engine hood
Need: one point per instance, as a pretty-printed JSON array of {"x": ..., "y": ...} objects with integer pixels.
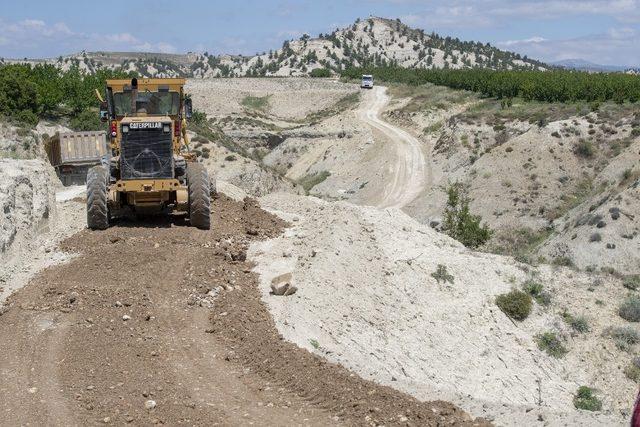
[{"x": 146, "y": 148}]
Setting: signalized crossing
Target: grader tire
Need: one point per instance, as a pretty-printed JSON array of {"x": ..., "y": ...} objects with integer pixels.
[
  {"x": 97, "y": 206},
  {"x": 199, "y": 197}
]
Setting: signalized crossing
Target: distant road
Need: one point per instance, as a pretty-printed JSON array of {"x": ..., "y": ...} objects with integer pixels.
[{"x": 408, "y": 174}]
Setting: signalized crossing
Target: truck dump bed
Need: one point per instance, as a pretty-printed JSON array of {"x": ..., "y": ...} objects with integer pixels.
[
  {"x": 78, "y": 148},
  {"x": 73, "y": 153}
]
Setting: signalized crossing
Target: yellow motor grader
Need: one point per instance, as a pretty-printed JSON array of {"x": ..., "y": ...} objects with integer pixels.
[{"x": 150, "y": 168}]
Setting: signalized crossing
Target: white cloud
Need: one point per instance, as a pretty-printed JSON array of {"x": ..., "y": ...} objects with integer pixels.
[
  {"x": 535, "y": 39},
  {"x": 35, "y": 37}
]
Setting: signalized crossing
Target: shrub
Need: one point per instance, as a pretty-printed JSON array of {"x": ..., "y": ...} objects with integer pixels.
[
  {"x": 630, "y": 309},
  {"x": 625, "y": 337},
  {"x": 459, "y": 223},
  {"x": 230, "y": 158},
  {"x": 441, "y": 274},
  {"x": 585, "y": 149},
  {"x": 578, "y": 323},
  {"x": 562, "y": 261},
  {"x": 632, "y": 282},
  {"x": 27, "y": 117},
  {"x": 586, "y": 400},
  {"x": 632, "y": 371},
  {"x": 595, "y": 237},
  {"x": 551, "y": 344},
  {"x": 515, "y": 304},
  {"x": 320, "y": 72},
  {"x": 536, "y": 290}
]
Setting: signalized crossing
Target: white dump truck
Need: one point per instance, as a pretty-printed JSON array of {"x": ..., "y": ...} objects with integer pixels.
[{"x": 367, "y": 81}]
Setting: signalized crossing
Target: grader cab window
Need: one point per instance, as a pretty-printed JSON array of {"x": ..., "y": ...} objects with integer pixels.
[{"x": 150, "y": 103}]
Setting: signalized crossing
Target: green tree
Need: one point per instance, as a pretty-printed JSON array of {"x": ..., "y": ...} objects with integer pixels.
[{"x": 459, "y": 223}]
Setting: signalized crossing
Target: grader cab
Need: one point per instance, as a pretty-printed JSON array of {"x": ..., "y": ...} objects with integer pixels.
[{"x": 150, "y": 169}]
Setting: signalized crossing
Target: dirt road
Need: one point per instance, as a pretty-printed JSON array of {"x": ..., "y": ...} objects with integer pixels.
[
  {"x": 160, "y": 323},
  {"x": 408, "y": 172}
]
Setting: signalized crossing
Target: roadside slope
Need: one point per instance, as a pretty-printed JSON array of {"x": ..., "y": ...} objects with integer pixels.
[{"x": 368, "y": 299}]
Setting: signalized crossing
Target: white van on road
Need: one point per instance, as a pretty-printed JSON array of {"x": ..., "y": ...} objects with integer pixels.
[{"x": 367, "y": 81}]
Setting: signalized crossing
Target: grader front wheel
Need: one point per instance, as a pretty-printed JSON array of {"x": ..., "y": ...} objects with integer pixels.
[
  {"x": 199, "y": 197},
  {"x": 97, "y": 206}
]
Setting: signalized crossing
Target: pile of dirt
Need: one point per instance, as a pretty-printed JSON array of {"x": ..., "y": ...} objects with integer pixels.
[
  {"x": 369, "y": 297},
  {"x": 175, "y": 333}
]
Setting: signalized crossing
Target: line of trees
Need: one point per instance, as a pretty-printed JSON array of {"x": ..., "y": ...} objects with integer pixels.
[
  {"x": 545, "y": 86},
  {"x": 28, "y": 93}
]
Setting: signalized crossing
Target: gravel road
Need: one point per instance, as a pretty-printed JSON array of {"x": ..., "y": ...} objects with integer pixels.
[{"x": 409, "y": 172}]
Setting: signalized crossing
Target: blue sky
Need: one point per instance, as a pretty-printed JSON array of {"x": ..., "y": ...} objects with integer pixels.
[{"x": 606, "y": 32}]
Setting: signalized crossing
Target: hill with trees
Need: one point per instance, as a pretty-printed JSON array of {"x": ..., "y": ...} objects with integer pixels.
[{"x": 370, "y": 42}]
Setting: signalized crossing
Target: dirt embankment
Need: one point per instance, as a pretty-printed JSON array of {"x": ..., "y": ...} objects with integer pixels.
[
  {"x": 162, "y": 323},
  {"x": 369, "y": 297},
  {"x": 27, "y": 200}
]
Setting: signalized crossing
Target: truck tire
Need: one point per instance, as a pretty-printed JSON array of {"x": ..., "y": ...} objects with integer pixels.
[
  {"x": 97, "y": 205},
  {"x": 199, "y": 197}
]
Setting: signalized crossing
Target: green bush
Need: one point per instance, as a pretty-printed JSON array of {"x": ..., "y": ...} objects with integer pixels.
[
  {"x": 630, "y": 309},
  {"x": 441, "y": 274},
  {"x": 320, "y": 72},
  {"x": 551, "y": 344},
  {"x": 515, "y": 304},
  {"x": 459, "y": 223},
  {"x": 44, "y": 90},
  {"x": 26, "y": 117},
  {"x": 86, "y": 120},
  {"x": 585, "y": 399}
]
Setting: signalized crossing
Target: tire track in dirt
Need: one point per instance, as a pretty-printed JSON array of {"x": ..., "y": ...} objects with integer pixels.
[
  {"x": 167, "y": 313},
  {"x": 408, "y": 174}
]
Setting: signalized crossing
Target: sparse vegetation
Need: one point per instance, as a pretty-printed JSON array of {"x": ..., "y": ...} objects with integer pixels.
[
  {"x": 537, "y": 292},
  {"x": 309, "y": 181},
  {"x": 442, "y": 275},
  {"x": 459, "y": 223},
  {"x": 631, "y": 282},
  {"x": 515, "y": 304},
  {"x": 585, "y": 148},
  {"x": 586, "y": 399},
  {"x": 550, "y": 343},
  {"x": 630, "y": 309},
  {"x": 258, "y": 103},
  {"x": 625, "y": 337},
  {"x": 578, "y": 323},
  {"x": 632, "y": 371}
]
